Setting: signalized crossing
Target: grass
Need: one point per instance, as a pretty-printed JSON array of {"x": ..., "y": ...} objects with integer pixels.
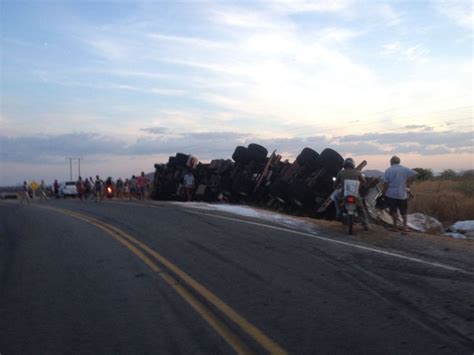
[{"x": 447, "y": 200}]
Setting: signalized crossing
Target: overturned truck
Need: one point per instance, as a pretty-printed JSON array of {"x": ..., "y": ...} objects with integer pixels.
[{"x": 254, "y": 177}]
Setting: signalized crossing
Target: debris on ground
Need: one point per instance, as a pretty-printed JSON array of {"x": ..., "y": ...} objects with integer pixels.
[
  {"x": 424, "y": 223},
  {"x": 461, "y": 230}
]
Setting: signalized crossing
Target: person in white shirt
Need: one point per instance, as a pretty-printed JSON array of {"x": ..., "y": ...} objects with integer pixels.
[
  {"x": 188, "y": 181},
  {"x": 396, "y": 179}
]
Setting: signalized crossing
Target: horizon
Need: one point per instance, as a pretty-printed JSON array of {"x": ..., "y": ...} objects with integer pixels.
[{"x": 124, "y": 85}]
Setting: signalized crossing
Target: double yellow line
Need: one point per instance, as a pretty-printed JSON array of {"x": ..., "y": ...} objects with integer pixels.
[{"x": 141, "y": 250}]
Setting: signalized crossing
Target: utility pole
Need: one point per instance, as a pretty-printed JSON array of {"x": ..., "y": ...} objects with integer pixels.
[{"x": 78, "y": 167}]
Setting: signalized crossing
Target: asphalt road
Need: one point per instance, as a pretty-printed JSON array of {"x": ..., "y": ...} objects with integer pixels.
[{"x": 132, "y": 278}]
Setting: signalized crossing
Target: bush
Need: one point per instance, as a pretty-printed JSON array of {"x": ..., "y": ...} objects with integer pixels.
[
  {"x": 448, "y": 174},
  {"x": 447, "y": 200},
  {"x": 424, "y": 174},
  {"x": 466, "y": 187}
]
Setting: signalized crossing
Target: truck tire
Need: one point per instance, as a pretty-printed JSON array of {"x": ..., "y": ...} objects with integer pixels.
[
  {"x": 181, "y": 159},
  {"x": 240, "y": 154},
  {"x": 308, "y": 158},
  {"x": 172, "y": 162},
  {"x": 330, "y": 160},
  {"x": 256, "y": 152}
]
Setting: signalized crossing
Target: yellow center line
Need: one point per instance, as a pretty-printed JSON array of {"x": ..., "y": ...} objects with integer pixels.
[{"x": 227, "y": 334}]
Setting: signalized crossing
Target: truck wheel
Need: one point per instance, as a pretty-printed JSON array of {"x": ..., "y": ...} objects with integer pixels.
[
  {"x": 240, "y": 154},
  {"x": 172, "y": 162},
  {"x": 181, "y": 159},
  {"x": 330, "y": 160},
  {"x": 257, "y": 152},
  {"x": 308, "y": 158}
]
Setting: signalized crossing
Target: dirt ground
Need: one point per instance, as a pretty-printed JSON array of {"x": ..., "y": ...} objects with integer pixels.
[{"x": 439, "y": 248}]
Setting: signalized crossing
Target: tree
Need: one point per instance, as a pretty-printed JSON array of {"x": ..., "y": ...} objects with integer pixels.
[
  {"x": 448, "y": 174},
  {"x": 424, "y": 174},
  {"x": 468, "y": 173}
]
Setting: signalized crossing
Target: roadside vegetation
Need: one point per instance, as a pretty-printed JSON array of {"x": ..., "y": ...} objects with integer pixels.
[{"x": 449, "y": 197}]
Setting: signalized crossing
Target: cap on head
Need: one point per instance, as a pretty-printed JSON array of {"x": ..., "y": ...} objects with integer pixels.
[
  {"x": 349, "y": 163},
  {"x": 394, "y": 160}
]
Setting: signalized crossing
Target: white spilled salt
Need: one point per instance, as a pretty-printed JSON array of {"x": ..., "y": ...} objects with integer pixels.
[
  {"x": 465, "y": 226},
  {"x": 246, "y": 211},
  {"x": 456, "y": 235}
]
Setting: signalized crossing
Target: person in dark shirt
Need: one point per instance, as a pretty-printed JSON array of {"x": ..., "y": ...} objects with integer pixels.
[{"x": 349, "y": 172}]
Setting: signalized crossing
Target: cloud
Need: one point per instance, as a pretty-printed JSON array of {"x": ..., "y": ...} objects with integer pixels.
[
  {"x": 151, "y": 90},
  {"x": 109, "y": 48},
  {"x": 459, "y": 11},
  {"x": 50, "y": 148},
  {"x": 204, "y": 145},
  {"x": 416, "y": 142},
  {"x": 411, "y": 53},
  {"x": 189, "y": 41},
  {"x": 65, "y": 80},
  {"x": 299, "y": 6},
  {"x": 359, "y": 148},
  {"x": 388, "y": 13},
  {"x": 339, "y": 34},
  {"x": 155, "y": 130},
  {"x": 241, "y": 18},
  {"x": 419, "y": 149},
  {"x": 213, "y": 145},
  {"x": 418, "y": 126}
]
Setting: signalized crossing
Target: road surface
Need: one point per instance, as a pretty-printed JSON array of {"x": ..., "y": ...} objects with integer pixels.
[{"x": 134, "y": 278}]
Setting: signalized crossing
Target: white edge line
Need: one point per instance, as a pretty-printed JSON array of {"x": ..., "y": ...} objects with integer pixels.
[{"x": 374, "y": 250}]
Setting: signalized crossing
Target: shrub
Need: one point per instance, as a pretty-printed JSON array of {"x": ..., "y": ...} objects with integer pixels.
[
  {"x": 448, "y": 174},
  {"x": 424, "y": 174},
  {"x": 447, "y": 200}
]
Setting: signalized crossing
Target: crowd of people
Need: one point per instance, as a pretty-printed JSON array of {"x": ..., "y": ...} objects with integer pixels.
[{"x": 137, "y": 187}]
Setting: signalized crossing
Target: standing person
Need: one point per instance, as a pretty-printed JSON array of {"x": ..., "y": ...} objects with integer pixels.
[
  {"x": 126, "y": 189},
  {"x": 119, "y": 188},
  {"x": 32, "y": 189},
  {"x": 92, "y": 191},
  {"x": 133, "y": 187},
  {"x": 142, "y": 183},
  {"x": 56, "y": 188},
  {"x": 98, "y": 189},
  {"x": 42, "y": 191},
  {"x": 87, "y": 188},
  {"x": 25, "y": 194},
  {"x": 396, "y": 179},
  {"x": 80, "y": 188},
  {"x": 188, "y": 181}
]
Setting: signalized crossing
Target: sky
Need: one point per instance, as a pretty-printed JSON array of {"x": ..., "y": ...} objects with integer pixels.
[{"x": 123, "y": 85}]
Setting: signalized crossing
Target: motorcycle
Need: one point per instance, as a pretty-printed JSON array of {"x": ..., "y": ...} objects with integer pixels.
[
  {"x": 109, "y": 191},
  {"x": 349, "y": 203}
]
